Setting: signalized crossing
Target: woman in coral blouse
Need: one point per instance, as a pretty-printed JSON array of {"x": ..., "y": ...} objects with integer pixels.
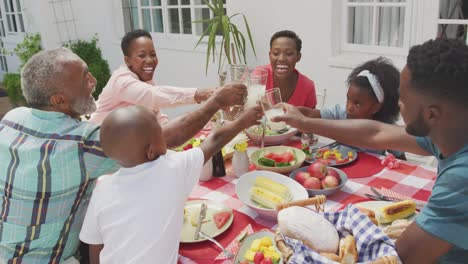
[
  {"x": 133, "y": 84},
  {"x": 285, "y": 52}
]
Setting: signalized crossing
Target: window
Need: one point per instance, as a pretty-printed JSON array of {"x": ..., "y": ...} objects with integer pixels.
[
  {"x": 3, "y": 62},
  {"x": 453, "y": 19},
  {"x": 380, "y": 26},
  {"x": 166, "y": 16},
  {"x": 13, "y": 16}
]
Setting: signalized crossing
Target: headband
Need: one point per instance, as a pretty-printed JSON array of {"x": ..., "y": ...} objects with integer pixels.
[{"x": 374, "y": 82}]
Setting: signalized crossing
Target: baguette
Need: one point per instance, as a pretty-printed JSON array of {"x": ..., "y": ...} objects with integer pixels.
[
  {"x": 332, "y": 256},
  {"x": 348, "y": 251},
  {"x": 285, "y": 250},
  {"x": 370, "y": 214}
]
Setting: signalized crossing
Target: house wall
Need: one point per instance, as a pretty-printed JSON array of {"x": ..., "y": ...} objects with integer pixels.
[{"x": 315, "y": 21}]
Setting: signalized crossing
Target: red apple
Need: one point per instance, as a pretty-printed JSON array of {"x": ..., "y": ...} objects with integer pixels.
[
  {"x": 312, "y": 183},
  {"x": 334, "y": 173},
  {"x": 317, "y": 170},
  {"x": 301, "y": 176},
  {"x": 330, "y": 182}
]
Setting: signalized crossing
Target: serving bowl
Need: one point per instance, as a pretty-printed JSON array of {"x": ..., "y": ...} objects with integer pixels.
[
  {"x": 326, "y": 192},
  {"x": 299, "y": 158},
  {"x": 246, "y": 182},
  {"x": 255, "y": 134}
]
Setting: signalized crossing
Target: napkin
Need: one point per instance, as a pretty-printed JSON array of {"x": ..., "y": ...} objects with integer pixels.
[
  {"x": 234, "y": 246},
  {"x": 371, "y": 242},
  {"x": 401, "y": 197}
]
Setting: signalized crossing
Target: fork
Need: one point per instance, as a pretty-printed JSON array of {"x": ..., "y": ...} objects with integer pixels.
[
  {"x": 262, "y": 143},
  {"x": 225, "y": 251}
]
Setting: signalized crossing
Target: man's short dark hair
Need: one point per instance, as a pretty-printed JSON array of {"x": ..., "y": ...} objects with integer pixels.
[
  {"x": 130, "y": 36},
  {"x": 439, "y": 68},
  {"x": 288, "y": 34}
]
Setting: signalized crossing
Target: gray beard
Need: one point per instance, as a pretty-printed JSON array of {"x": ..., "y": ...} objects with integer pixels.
[{"x": 84, "y": 105}]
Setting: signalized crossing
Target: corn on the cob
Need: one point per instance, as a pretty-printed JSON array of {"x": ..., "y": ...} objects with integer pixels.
[
  {"x": 396, "y": 211},
  {"x": 265, "y": 197},
  {"x": 273, "y": 186}
]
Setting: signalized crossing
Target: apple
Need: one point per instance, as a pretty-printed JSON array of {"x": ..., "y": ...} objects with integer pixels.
[
  {"x": 312, "y": 183},
  {"x": 334, "y": 173},
  {"x": 317, "y": 170},
  {"x": 330, "y": 182},
  {"x": 301, "y": 176}
]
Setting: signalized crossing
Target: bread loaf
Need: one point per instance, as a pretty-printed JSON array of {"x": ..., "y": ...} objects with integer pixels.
[
  {"x": 309, "y": 227},
  {"x": 370, "y": 214},
  {"x": 348, "y": 251},
  {"x": 332, "y": 256}
]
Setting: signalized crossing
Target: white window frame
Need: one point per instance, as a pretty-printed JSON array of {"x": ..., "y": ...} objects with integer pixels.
[
  {"x": 439, "y": 21},
  {"x": 165, "y": 40},
  {"x": 351, "y": 47},
  {"x": 420, "y": 25},
  {"x": 14, "y": 16}
]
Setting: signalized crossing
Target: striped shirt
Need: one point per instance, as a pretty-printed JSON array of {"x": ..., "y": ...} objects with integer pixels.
[{"x": 48, "y": 166}]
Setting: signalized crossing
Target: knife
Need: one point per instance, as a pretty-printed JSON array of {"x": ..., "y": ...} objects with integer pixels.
[{"x": 201, "y": 216}]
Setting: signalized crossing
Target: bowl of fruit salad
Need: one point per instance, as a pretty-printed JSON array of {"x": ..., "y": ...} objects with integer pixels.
[
  {"x": 259, "y": 247},
  {"x": 280, "y": 159},
  {"x": 273, "y": 135}
]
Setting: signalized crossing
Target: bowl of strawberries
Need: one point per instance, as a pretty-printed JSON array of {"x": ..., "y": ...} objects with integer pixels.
[{"x": 320, "y": 179}]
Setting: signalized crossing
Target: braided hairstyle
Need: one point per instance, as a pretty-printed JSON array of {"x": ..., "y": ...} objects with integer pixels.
[
  {"x": 389, "y": 78},
  {"x": 439, "y": 68}
]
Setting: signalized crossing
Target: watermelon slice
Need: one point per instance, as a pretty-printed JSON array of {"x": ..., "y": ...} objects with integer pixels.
[{"x": 221, "y": 218}]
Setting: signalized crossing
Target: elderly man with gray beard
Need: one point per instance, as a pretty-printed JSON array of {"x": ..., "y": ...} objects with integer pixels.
[{"x": 50, "y": 159}]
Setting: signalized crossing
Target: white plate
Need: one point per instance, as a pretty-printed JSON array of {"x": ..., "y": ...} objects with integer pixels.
[
  {"x": 208, "y": 226},
  {"x": 376, "y": 205},
  {"x": 246, "y": 181}
]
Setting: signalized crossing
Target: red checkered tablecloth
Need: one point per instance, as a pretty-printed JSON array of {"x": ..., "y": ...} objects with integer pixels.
[
  {"x": 415, "y": 181},
  {"x": 409, "y": 180}
]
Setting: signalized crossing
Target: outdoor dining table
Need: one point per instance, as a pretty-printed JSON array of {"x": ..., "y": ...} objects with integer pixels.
[{"x": 411, "y": 180}]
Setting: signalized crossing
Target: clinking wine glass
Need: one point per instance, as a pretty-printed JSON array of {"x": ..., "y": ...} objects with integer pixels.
[
  {"x": 234, "y": 73},
  {"x": 256, "y": 86},
  {"x": 271, "y": 104}
]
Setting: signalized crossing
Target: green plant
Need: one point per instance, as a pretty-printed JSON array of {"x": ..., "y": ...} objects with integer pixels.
[
  {"x": 91, "y": 54},
  {"x": 221, "y": 24},
  {"x": 30, "y": 45},
  {"x": 12, "y": 83}
]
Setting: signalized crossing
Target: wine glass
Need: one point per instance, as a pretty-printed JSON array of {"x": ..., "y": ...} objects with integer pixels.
[
  {"x": 234, "y": 73},
  {"x": 271, "y": 104}
]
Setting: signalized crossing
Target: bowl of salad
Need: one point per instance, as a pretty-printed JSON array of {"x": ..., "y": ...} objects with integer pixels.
[
  {"x": 274, "y": 134},
  {"x": 279, "y": 159}
]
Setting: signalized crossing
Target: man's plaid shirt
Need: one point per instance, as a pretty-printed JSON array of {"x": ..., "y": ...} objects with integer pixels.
[{"x": 48, "y": 166}]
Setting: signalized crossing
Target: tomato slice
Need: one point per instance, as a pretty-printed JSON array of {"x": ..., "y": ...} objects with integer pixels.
[{"x": 221, "y": 218}]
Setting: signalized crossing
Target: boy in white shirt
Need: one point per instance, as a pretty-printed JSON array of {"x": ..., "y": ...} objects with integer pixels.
[{"x": 136, "y": 214}]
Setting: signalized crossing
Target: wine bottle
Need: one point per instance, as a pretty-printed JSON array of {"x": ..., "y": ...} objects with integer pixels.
[{"x": 218, "y": 165}]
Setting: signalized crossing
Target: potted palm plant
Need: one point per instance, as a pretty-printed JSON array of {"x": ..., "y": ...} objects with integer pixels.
[{"x": 233, "y": 41}]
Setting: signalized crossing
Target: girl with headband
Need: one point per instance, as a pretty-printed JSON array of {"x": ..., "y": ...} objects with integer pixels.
[{"x": 372, "y": 94}]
